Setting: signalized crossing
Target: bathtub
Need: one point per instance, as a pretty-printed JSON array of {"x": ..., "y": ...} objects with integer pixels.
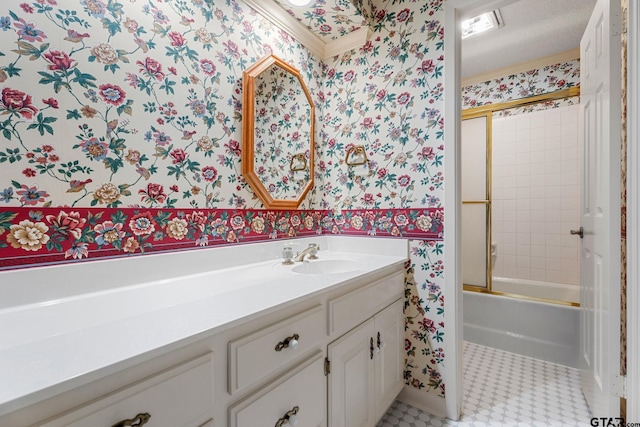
[
  {"x": 536, "y": 289},
  {"x": 536, "y": 329}
]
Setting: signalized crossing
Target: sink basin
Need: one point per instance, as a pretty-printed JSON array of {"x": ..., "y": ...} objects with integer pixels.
[{"x": 327, "y": 266}]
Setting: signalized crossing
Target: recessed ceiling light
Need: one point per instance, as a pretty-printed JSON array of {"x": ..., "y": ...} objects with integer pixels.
[
  {"x": 481, "y": 23},
  {"x": 299, "y": 2}
]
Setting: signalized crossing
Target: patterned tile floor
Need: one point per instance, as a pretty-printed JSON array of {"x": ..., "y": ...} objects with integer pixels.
[{"x": 505, "y": 389}]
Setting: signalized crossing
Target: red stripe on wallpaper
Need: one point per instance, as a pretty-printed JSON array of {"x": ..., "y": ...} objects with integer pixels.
[{"x": 37, "y": 236}]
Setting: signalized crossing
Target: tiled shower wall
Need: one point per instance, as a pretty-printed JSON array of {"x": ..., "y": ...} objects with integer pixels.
[{"x": 535, "y": 194}]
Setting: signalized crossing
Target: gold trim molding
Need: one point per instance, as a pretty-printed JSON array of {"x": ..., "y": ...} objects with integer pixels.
[
  {"x": 518, "y": 296},
  {"x": 492, "y": 108}
]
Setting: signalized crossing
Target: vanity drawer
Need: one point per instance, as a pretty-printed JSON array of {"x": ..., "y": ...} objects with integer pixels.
[
  {"x": 254, "y": 356},
  {"x": 303, "y": 387},
  {"x": 355, "y": 307},
  {"x": 180, "y": 396}
]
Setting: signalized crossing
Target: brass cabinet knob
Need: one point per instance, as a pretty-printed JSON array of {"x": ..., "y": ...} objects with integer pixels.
[
  {"x": 138, "y": 420},
  {"x": 289, "y": 418},
  {"x": 289, "y": 342}
]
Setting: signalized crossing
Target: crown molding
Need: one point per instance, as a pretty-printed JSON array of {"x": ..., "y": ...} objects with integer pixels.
[{"x": 317, "y": 45}]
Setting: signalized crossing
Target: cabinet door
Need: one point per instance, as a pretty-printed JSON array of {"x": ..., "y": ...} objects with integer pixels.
[
  {"x": 389, "y": 328},
  {"x": 351, "y": 382}
]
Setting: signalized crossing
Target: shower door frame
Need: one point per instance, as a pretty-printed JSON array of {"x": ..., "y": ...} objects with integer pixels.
[
  {"x": 476, "y": 113},
  {"x": 488, "y": 111}
]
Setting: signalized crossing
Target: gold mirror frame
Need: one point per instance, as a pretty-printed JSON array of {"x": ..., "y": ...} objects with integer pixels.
[{"x": 249, "y": 77}]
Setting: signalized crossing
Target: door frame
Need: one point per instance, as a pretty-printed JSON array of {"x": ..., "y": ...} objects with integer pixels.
[
  {"x": 633, "y": 212},
  {"x": 455, "y": 11}
]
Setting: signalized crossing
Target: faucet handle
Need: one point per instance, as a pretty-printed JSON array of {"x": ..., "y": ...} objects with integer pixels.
[
  {"x": 287, "y": 255},
  {"x": 313, "y": 253}
]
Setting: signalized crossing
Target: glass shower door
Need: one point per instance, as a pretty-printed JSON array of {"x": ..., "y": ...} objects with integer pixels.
[{"x": 476, "y": 201}]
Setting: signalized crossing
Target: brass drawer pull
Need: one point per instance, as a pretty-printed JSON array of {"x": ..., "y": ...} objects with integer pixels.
[
  {"x": 289, "y": 342},
  {"x": 138, "y": 420},
  {"x": 289, "y": 418}
]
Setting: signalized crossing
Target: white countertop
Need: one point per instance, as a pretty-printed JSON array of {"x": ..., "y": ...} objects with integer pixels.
[{"x": 51, "y": 345}]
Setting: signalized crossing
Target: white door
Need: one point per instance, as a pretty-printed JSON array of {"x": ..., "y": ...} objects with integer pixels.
[{"x": 600, "y": 208}]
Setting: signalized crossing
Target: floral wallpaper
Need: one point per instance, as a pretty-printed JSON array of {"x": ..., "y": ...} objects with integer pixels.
[
  {"x": 122, "y": 112},
  {"x": 389, "y": 97},
  {"x": 424, "y": 317},
  {"x": 121, "y": 130},
  {"x": 282, "y": 133},
  {"x": 547, "y": 79},
  {"x": 112, "y": 104},
  {"x": 328, "y": 19},
  {"x": 556, "y": 103}
]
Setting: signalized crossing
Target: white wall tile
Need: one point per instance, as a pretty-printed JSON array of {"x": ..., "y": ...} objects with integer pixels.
[
  {"x": 538, "y": 120},
  {"x": 524, "y": 273},
  {"x": 554, "y": 264},
  {"x": 524, "y": 238},
  {"x": 538, "y": 263},
  {"x": 538, "y": 239},
  {"x": 539, "y": 274},
  {"x": 538, "y": 251},
  {"x": 536, "y": 195},
  {"x": 509, "y": 194},
  {"x": 524, "y": 251},
  {"x": 510, "y": 238}
]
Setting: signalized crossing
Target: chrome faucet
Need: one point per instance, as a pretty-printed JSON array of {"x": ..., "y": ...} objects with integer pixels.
[{"x": 311, "y": 250}]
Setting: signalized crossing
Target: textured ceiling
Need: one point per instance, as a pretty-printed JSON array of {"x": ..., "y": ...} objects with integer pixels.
[{"x": 533, "y": 29}]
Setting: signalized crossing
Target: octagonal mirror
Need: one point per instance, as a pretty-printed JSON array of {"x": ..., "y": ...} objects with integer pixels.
[{"x": 277, "y": 133}]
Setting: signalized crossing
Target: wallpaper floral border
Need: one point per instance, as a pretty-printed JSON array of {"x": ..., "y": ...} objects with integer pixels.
[{"x": 35, "y": 236}]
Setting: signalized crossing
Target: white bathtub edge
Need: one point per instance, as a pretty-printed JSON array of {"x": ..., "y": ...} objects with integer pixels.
[{"x": 548, "y": 332}]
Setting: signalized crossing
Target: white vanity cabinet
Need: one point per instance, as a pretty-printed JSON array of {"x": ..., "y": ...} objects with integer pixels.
[
  {"x": 332, "y": 357},
  {"x": 366, "y": 369},
  {"x": 366, "y": 357},
  {"x": 362, "y": 333}
]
